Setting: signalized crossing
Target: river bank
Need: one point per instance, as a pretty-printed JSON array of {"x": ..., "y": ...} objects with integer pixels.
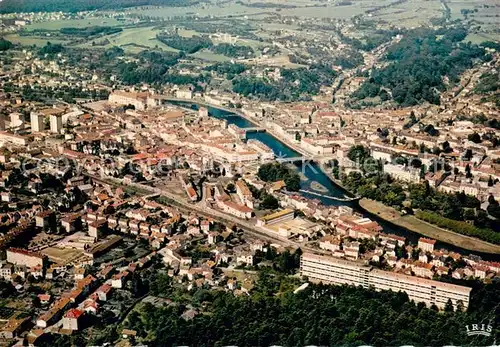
[
  {"x": 418, "y": 226},
  {"x": 337, "y": 193}
]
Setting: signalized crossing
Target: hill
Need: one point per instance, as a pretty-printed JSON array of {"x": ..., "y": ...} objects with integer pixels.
[{"x": 10, "y": 6}]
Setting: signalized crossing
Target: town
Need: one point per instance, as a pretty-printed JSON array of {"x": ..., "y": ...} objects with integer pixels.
[
  {"x": 185, "y": 187},
  {"x": 113, "y": 191}
]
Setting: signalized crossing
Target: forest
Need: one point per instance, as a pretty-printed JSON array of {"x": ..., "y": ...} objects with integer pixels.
[
  {"x": 10, "y": 6},
  {"x": 294, "y": 85},
  {"x": 90, "y": 31},
  {"x": 488, "y": 83},
  {"x": 228, "y": 69},
  {"x": 320, "y": 315},
  {"x": 5, "y": 44},
  {"x": 189, "y": 45},
  {"x": 272, "y": 172},
  {"x": 51, "y": 49},
  {"x": 489, "y": 87},
  {"x": 418, "y": 64},
  {"x": 153, "y": 67},
  {"x": 233, "y": 51}
]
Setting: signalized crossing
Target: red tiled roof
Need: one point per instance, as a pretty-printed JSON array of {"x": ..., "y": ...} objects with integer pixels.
[
  {"x": 429, "y": 241},
  {"x": 73, "y": 313}
]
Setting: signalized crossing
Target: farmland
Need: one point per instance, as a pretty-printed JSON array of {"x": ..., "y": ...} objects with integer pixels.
[
  {"x": 135, "y": 38},
  {"x": 250, "y": 23},
  {"x": 73, "y": 23}
]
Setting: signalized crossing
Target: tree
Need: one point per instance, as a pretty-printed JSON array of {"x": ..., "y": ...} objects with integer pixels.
[
  {"x": 269, "y": 202},
  {"x": 446, "y": 147},
  {"x": 448, "y": 307},
  {"x": 231, "y": 188},
  {"x": 490, "y": 181},
  {"x": 422, "y": 148},
  {"x": 272, "y": 172},
  {"x": 467, "y": 154},
  {"x": 474, "y": 137},
  {"x": 493, "y": 207},
  {"x": 468, "y": 173},
  {"x": 4, "y": 44},
  {"x": 418, "y": 64},
  {"x": 358, "y": 154},
  {"x": 469, "y": 214}
]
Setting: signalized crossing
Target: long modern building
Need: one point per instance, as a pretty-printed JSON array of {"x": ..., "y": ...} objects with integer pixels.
[
  {"x": 277, "y": 217},
  {"x": 339, "y": 271},
  {"x": 19, "y": 256}
]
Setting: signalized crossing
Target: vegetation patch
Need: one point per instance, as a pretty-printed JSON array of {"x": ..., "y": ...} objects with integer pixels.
[
  {"x": 234, "y": 51},
  {"x": 272, "y": 172},
  {"x": 459, "y": 226},
  {"x": 5, "y": 44},
  {"x": 90, "y": 31},
  {"x": 189, "y": 45},
  {"x": 10, "y": 6},
  {"x": 419, "y": 64}
]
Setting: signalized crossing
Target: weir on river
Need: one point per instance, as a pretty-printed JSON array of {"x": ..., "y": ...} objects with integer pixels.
[
  {"x": 336, "y": 195},
  {"x": 344, "y": 199}
]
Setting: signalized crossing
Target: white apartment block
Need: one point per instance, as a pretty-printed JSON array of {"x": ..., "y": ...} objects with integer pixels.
[
  {"x": 317, "y": 146},
  {"x": 56, "y": 124},
  {"x": 37, "y": 122},
  {"x": 184, "y": 94},
  {"x": 426, "y": 245},
  {"x": 381, "y": 153},
  {"x": 244, "y": 193},
  {"x": 138, "y": 100},
  {"x": 19, "y": 256},
  {"x": 12, "y": 138},
  {"x": 16, "y": 120},
  {"x": 402, "y": 173},
  {"x": 338, "y": 271}
]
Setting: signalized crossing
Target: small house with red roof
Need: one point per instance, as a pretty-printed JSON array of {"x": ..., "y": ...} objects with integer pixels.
[{"x": 72, "y": 319}]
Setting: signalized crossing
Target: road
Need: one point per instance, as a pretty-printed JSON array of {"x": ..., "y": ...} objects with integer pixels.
[{"x": 184, "y": 206}]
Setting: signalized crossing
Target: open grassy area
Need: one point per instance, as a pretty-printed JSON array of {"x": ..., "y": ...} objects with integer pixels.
[
  {"x": 385, "y": 212},
  {"x": 32, "y": 40},
  {"x": 232, "y": 8},
  {"x": 414, "y": 224},
  {"x": 481, "y": 37},
  {"x": 410, "y": 14},
  {"x": 421, "y": 227},
  {"x": 73, "y": 23},
  {"x": 61, "y": 255},
  {"x": 483, "y": 13},
  {"x": 207, "y": 55},
  {"x": 134, "y": 40}
]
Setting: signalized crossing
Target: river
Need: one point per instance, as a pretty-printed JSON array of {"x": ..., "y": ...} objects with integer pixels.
[{"x": 312, "y": 172}]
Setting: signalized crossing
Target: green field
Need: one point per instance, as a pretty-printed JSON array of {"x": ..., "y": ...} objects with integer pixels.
[
  {"x": 421, "y": 227},
  {"x": 485, "y": 17},
  {"x": 133, "y": 39},
  {"x": 207, "y": 55},
  {"x": 235, "y": 10},
  {"x": 410, "y": 14},
  {"x": 32, "y": 40},
  {"x": 73, "y": 23},
  {"x": 481, "y": 37}
]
